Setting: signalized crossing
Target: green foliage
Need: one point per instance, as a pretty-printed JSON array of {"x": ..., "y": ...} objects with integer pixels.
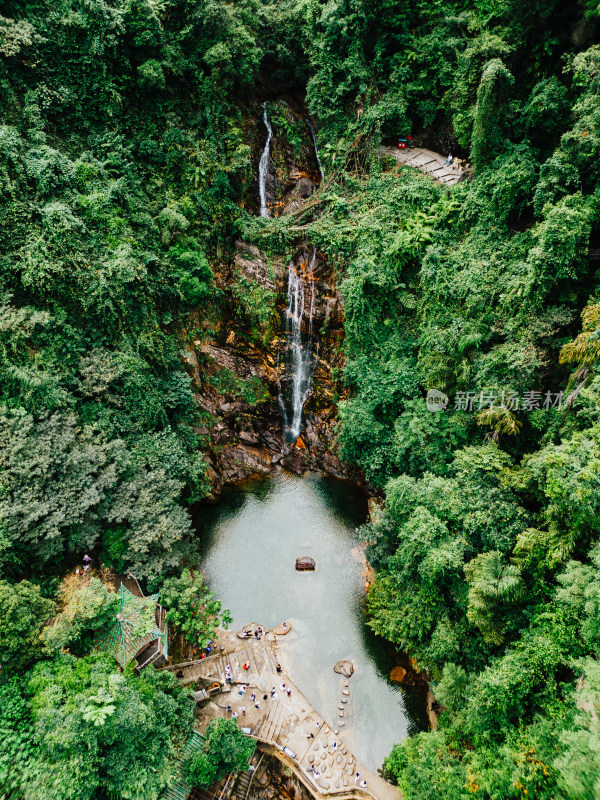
[
  {"x": 578, "y": 765},
  {"x": 87, "y": 724},
  {"x": 117, "y": 189},
  {"x": 451, "y": 689},
  {"x": 60, "y": 485},
  {"x": 565, "y": 475},
  {"x": 224, "y": 749},
  {"x": 124, "y": 162},
  {"x": 251, "y": 390},
  {"x": 494, "y": 584},
  {"x": 24, "y": 612},
  {"x": 424, "y": 767},
  {"x": 488, "y": 133},
  {"x": 18, "y": 749},
  {"x": 192, "y": 609},
  {"x": 579, "y": 596},
  {"x": 543, "y": 111},
  {"x": 88, "y": 610},
  {"x": 256, "y": 302}
]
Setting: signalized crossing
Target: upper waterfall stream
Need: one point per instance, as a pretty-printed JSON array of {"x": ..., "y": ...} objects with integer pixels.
[
  {"x": 263, "y": 165},
  {"x": 313, "y": 134}
]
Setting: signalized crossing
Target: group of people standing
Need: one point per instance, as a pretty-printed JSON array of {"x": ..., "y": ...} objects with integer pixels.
[{"x": 87, "y": 565}]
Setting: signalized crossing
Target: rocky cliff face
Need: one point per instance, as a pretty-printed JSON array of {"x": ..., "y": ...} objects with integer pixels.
[
  {"x": 238, "y": 379},
  {"x": 236, "y": 358},
  {"x": 293, "y": 168},
  {"x": 236, "y": 352},
  {"x": 276, "y": 782}
]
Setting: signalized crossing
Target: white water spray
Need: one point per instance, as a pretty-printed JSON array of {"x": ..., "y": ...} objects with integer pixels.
[
  {"x": 299, "y": 362},
  {"x": 263, "y": 165},
  {"x": 313, "y": 134}
]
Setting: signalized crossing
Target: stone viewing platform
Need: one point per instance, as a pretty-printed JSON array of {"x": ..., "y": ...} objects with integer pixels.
[
  {"x": 280, "y": 717},
  {"x": 429, "y": 162}
]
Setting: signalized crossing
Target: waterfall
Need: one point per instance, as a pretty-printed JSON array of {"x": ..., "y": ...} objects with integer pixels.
[
  {"x": 313, "y": 134},
  {"x": 263, "y": 165},
  {"x": 299, "y": 361}
]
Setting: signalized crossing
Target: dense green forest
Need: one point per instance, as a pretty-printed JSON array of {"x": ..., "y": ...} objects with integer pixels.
[{"x": 126, "y": 174}]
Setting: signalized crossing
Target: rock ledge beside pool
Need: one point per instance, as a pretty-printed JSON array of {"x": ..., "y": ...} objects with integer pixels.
[{"x": 281, "y": 630}]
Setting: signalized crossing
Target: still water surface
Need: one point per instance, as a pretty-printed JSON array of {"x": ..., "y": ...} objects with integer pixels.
[{"x": 250, "y": 542}]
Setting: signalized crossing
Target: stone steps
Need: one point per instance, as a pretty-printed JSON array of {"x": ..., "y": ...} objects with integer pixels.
[
  {"x": 242, "y": 786},
  {"x": 427, "y": 162},
  {"x": 215, "y": 668},
  {"x": 273, "y": 722}
]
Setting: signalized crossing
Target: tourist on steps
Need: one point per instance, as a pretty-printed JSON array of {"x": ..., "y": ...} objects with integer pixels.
[{"x": 449, "y": 160}]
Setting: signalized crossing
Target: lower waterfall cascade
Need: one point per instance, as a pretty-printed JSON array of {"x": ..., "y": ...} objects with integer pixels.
[{"x": 299, "y": 360}]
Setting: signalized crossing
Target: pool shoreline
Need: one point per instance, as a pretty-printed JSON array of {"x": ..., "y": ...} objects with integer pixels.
[{"x": 250, "y": 542}]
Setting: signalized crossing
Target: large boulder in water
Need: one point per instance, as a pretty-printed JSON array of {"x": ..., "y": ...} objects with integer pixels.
[
  {"x": 345, "y": 668},
  {"x": 304, "y": 563}
]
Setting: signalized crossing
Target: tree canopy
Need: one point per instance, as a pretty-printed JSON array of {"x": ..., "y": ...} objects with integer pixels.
[{"x": 128, "y": 157}]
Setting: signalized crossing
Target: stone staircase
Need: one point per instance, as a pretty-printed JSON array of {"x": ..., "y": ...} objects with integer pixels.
[
  {"x": 271, "y": 725},
  {"x": 430, "y": 163},
  {"x": 179, "y": 790},
  {"x": 245, "y": 779},
  {"x": 213, "y": 667},
  {"x": 242, "y": 786}
]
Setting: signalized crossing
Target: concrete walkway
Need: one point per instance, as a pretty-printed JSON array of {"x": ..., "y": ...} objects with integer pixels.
[
  {"x": 284, "y": 721},
  {"x": 428, "y": 162}
]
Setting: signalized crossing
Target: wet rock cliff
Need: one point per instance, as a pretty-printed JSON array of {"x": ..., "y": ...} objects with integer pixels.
[{"x": 237, "y": 356}]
